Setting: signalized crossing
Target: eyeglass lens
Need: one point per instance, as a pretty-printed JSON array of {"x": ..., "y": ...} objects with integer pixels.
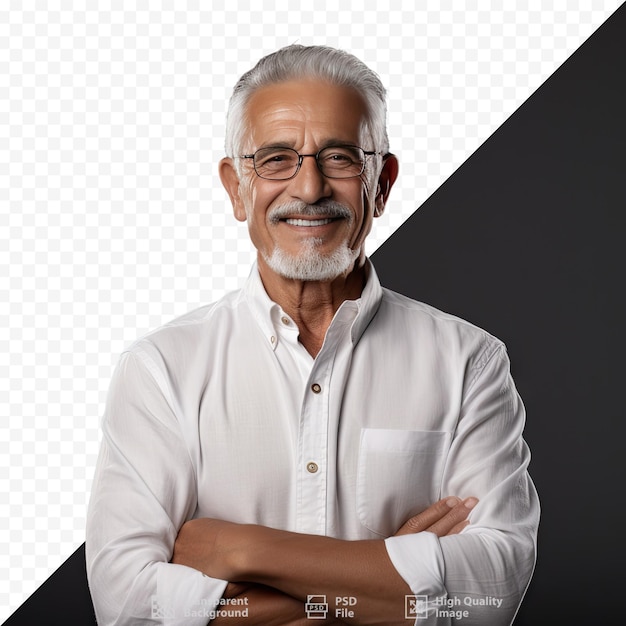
[{"x": 334, "y": 162}]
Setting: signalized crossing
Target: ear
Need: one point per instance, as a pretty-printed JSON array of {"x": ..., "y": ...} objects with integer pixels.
[
  {"x": 230, "y": 180},
  {"x": 387, "y": 178}
]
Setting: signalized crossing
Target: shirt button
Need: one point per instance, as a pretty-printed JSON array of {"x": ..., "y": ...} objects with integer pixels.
[
  {"x": 315, "y": 388},
  {"x": 285, "y": 320},
  {"x": 273, "y": 339},
  {"x": 312, "y": 467}
]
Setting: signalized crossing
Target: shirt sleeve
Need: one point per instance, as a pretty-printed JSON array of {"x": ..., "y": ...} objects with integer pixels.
[
  {"x": 144, "y": 489},
  {"x": 479, "y": 576}
]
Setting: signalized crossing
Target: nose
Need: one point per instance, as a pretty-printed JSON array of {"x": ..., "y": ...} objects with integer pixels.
[{"x": 309, "y": 184}]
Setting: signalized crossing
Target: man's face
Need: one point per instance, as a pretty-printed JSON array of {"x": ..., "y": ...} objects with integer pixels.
[{"x": 297, "y": 221}]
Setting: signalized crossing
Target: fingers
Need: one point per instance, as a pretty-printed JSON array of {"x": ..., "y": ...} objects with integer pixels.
[
  {"x": 457, "y": 515},
  {"x": 458, "y": 528},
  {"x": 445, "y": 517}
]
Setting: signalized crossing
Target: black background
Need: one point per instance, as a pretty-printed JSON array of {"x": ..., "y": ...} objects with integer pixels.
[{"x": 526, "y": 241}]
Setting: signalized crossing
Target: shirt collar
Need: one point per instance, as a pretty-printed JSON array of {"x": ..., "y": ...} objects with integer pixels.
[{"x": 268, "y": 314}]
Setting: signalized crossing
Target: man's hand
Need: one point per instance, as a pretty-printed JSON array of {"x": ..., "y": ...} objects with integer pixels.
[{"x": 446, "y": 517}]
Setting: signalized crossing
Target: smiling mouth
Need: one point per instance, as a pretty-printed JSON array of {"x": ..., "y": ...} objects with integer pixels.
[{"x": 301, "y": 222}]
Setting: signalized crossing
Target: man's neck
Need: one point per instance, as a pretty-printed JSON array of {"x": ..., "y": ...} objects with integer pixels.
[{"x": 313, "y": 304}]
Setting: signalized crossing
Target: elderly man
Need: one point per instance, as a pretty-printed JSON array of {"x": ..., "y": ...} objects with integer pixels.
[{"x": 313, "y": 446}]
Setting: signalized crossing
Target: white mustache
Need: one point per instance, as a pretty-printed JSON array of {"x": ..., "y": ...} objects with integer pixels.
[{"x": 326, "y": 208}]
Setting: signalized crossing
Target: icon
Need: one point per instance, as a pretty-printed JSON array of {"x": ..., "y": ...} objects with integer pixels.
[
  {"x": 415, "y": 607},
  {"x": 316, "y": 607},
  {"x": 160, "y": 611}
]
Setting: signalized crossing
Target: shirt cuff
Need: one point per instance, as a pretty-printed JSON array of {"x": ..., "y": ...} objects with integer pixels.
[
  {"x": 419, "y": 560},
  {"x": 188, "y": 597}
]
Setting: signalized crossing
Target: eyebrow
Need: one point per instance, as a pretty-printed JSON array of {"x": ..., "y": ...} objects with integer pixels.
[{"x": 326, "y": 144}]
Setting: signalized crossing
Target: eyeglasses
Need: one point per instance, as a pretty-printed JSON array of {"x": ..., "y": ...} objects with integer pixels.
[{"x": 274, "y": 163}]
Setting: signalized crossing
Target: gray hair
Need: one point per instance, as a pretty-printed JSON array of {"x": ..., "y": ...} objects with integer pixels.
[{"x": 295, "y": 62}]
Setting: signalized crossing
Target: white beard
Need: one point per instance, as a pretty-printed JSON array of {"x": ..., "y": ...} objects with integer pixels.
[{"x": 310, "y": 264}]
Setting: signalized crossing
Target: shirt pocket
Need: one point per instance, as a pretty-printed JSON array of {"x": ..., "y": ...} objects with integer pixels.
[{"x": 399, "y": 475}]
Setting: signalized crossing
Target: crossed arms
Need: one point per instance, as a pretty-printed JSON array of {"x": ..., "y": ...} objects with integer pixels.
[
  {"x": 277, "y": 570},
  {"x": 145, "y": 552}
]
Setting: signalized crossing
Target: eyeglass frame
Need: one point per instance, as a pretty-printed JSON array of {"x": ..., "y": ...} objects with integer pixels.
[{"x": 366, "y": 153}]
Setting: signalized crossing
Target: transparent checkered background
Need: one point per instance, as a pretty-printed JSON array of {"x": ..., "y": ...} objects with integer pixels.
[{"x": 112, "y": 217}]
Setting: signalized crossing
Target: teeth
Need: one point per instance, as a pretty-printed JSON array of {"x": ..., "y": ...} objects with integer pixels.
[{"x": 295, "y": 222}]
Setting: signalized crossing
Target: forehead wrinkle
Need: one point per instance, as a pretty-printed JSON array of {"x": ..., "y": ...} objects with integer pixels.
[
  {"x": 295, "y": 137},
  {"x": 289, "y": 115}
]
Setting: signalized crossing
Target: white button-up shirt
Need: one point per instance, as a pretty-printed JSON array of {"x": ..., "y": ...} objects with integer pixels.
[{"x": 224, "y": 414}]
